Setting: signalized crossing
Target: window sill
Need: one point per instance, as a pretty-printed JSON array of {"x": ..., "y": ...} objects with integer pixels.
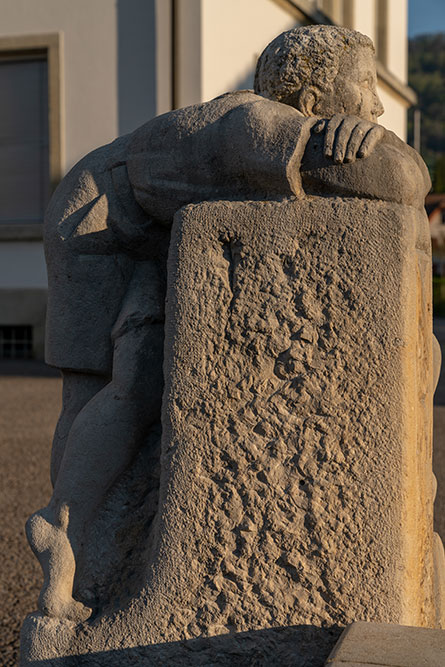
[{"x": 24, "y": 232}]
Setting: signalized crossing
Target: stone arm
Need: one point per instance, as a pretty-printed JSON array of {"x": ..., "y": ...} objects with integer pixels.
[
  {"x": 242, "y": 146},
  {"x": 238, "y": 147},
  {"x": 393, "y": 172}
]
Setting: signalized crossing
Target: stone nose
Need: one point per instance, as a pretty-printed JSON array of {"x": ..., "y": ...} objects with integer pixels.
[{"x": 378, "y": 106}]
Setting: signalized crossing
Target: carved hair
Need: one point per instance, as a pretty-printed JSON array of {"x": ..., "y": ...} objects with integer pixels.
[{"x": 308, "y": 56}]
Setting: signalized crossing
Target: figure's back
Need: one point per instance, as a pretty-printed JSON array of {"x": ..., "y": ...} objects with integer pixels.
[{"x": 238, "y": 146}]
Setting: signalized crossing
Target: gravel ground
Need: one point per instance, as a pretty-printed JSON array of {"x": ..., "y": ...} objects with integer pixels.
[
  {"x": 30, "y": 397},
  {"x": 30, "y": 406}
]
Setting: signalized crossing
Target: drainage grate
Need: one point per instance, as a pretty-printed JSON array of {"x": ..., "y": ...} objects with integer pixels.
[{"x": 16, "y": 342}]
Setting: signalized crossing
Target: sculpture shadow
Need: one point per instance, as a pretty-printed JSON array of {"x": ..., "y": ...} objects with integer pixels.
[{"x": 293, "y": 646}]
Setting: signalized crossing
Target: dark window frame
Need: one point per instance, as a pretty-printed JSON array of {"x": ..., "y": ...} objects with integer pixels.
[{"x": 27, "y": 47}]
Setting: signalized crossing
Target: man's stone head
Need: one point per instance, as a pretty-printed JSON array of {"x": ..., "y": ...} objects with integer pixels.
[{"x": 321, "y": 71}]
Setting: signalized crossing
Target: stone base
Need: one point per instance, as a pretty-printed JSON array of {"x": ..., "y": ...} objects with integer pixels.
[
  {"x": 388, "y": 645},
  {"x": 300, "y": 645}
]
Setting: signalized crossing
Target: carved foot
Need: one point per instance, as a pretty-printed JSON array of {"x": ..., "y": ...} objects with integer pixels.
[
  {"x": 67, "y": 608},
  {"x": 53, "y": 550}
]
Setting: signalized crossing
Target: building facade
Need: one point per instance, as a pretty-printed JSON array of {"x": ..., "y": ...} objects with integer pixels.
[{"x": 75, "y": 75}]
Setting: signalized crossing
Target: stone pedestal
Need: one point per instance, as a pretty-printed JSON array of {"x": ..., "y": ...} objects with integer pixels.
[
  {"x": 296, "y": 485},
  {"x": 388, "y": 645}
]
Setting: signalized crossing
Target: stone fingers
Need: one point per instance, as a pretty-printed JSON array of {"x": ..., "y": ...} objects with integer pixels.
[
  {"x": 349, "y": 126},
  {"x": 330, "y": 134},
  {"x": 357, "y": 136},
  {"x": 348, "y": 137},
  {"x": 319, "y": 126},
  {"x": 374, "y": 135}
]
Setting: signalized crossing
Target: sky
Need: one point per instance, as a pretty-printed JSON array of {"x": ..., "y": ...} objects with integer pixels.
[{"x": 426, "y": 16}]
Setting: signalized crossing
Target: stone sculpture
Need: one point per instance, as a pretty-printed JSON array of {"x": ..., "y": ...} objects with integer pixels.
[{"x": 301, "y": 183}]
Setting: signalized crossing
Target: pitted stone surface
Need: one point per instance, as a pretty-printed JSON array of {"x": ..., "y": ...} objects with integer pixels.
[{"x": 301, "y": 476}]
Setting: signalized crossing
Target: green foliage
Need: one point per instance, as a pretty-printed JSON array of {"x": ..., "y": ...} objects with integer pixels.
[
  {"x": 439, "y": 174},
  {"x": 427, "y": 77},
  {"x": 438, "y": 296}
]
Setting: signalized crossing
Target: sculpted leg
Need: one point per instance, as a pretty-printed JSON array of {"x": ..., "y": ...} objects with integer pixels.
[
  {"x": 103, "y": 439},
  {"x": 78, "y": 390},
  {"x": 47, "y": 535}
]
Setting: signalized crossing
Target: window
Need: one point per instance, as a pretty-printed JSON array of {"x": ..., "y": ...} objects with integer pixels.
[
  {"x": 24, "y": 141},
  {"x": 381, "y": 42},
  {"x": 15, "y": 342},
  {"x": 31, "y": 131}
]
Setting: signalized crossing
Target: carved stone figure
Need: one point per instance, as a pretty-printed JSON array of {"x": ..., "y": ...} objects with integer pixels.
[{"x": 299, "y": 160}]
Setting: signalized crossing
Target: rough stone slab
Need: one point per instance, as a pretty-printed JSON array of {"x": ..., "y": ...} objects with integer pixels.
[
  {"x": 296, "y": 487},
  {"x": 388, "y": 645},
  {"x": 301, "y": 403}
]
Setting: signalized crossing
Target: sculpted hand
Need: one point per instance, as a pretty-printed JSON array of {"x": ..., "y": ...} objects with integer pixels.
[{"x": 348, "y": 137}]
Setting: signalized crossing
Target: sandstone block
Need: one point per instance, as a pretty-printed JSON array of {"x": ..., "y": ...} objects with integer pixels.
[{"x": 298, "y": 413}]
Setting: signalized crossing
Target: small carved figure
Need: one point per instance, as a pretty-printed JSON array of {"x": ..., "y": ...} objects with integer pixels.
[{"x": 309, "y": 127}]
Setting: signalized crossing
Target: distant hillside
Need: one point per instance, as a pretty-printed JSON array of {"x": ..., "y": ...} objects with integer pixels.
[{"x": 427, "y": 77}]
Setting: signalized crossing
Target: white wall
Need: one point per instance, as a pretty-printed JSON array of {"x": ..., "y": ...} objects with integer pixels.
[
  {"x": 89, "y": 62},
  {"x": 397, "y": 42},
  {"x": 89, "y": 67},
  {"x": 111, "y": 54},
  {"x": 364, "y": 20},
  {"x": 141, "y": 33},
  {"x": 108, "y": 85},
  {"x": 364, "y": 16},
  {"x": 394, "y": 118},
  {"x": 229, "y": 48},
  {"x": 234, "y": 33},
  {"x": 219, "y": 42},
  {"x": 188, "y": 47},
  {"x": 108, "y": 66}
]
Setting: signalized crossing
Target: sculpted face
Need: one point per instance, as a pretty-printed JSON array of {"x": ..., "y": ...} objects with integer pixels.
[{"x": 354, "y": 90}]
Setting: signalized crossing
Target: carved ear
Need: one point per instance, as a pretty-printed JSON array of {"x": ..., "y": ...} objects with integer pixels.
[{"x": 308, "y": 100}]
